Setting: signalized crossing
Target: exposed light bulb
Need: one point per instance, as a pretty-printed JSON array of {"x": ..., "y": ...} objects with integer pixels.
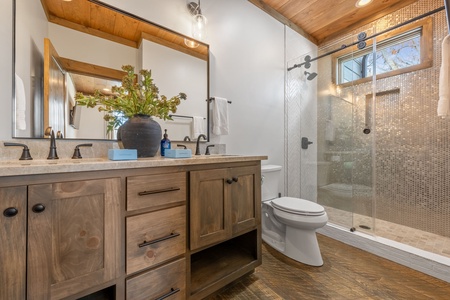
[{"x": 199, "y": 27}]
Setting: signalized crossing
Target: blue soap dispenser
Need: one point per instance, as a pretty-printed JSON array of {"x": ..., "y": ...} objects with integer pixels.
[{"x": 165, "y": 143}]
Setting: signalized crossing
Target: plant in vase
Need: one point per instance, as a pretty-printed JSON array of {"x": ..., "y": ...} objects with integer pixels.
[{"x": 131, "y": 108}]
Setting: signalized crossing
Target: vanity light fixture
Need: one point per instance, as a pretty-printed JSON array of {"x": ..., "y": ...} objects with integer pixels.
[
  {"x": 198, "y": 24},
  {"x": 362, "y": 3}
]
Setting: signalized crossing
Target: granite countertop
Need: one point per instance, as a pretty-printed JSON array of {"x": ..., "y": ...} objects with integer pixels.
[{"x": 31, "y": 167}]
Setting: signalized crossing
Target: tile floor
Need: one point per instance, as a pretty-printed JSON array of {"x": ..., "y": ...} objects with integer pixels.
[{"x": 410, "y": 236}]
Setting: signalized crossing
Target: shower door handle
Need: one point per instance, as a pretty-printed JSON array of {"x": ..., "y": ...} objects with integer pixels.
[{"x": 305, "y": 143}]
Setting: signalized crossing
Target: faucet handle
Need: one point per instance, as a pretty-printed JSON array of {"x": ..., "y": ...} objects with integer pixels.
[
  {"x": 76, "y": 152},
  {"x": 182, "y": 146},
  {"x": 25, "y": 152}
]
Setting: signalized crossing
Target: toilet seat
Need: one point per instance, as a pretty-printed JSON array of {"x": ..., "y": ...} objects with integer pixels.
[{"x": 298, "y": 206}]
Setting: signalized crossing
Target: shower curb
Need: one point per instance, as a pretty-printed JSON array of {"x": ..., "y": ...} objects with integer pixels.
[{"x": 426, "y": 262}]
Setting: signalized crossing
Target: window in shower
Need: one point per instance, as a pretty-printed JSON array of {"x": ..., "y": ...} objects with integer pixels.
[{"x": 406, "y": 49}]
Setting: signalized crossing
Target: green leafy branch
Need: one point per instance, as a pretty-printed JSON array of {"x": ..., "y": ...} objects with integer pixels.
[{"x": 132, "y": 98}]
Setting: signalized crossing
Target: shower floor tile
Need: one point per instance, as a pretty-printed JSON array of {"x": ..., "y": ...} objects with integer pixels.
[{"x": 409, "y": 236}]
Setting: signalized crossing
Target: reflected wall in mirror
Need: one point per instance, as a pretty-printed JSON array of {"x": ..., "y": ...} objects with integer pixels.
[{"x": 94, "y": 41}]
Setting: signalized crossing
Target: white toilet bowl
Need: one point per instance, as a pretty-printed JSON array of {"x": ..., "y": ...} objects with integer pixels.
[
  {"x": 302, "y": 219},
  {"x": 289, "y": 224}
]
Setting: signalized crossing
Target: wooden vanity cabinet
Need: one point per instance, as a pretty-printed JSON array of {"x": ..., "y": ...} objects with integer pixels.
[
  {"x": 13, "y": 233},
  {"x": 179, "y": 232},
  {"x": 223, "y": 203},
  {"x": 225, "y": 226},
  {"x": 73, "y": 237}
]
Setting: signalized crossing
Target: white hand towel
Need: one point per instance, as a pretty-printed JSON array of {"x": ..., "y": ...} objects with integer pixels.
[
  {"x": 220, "y": 116},
  {"x": 197, "y": 127},
  {"x": 443, "y": 109},
  {"x": 21, "y": 104}
]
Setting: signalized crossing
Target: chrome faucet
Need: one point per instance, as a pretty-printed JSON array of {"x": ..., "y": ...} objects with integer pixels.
[
  {"x": 197, "y": 148},
  {"x": 52, "y": 154}
]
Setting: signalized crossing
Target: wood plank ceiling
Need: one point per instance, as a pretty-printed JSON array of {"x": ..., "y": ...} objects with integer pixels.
[{"x": 321, "y": 20}]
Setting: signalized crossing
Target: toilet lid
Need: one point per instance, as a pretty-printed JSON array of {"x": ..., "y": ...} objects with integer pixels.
[{"x": 298, "y": 206}]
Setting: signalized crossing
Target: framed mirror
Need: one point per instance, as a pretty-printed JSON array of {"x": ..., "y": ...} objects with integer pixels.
[{"x": 89, "y": 42}]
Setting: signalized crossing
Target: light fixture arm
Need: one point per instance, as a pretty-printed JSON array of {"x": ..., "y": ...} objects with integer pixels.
[{"x": 194, "y": 8}]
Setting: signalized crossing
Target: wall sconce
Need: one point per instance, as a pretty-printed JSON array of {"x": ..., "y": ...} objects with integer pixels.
[{"x": 198, "y": 24}]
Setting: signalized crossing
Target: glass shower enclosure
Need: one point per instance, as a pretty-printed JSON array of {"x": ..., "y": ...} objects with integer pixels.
[{"x": 371, "y": 148}]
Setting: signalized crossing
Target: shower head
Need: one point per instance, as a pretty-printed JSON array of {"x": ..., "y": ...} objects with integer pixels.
[{"x": 310, "y": 76}]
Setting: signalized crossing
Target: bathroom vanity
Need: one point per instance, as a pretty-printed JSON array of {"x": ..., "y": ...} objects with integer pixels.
[{"x": 145, "y": 229}]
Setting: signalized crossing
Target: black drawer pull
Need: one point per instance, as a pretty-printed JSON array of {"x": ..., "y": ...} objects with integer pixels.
[
  {"x": 172, "y": 291},
  {"x": 171, "y": 189},
  {"x": 38, "y": 208},
  {"x": 172, "y": 235},
  {"x": 10, "y": 212}
]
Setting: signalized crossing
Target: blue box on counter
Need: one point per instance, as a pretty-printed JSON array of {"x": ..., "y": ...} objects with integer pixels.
[
  {"x": 177, "y": 153},
  {"x": 122, "y": 154}
]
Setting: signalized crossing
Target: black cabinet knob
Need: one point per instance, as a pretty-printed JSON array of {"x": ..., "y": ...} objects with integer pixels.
[
  {"x": 38, "y": 208},
  {"x": 235, "y": 179},
  {"x": 229, "y": 181},
  {"x": 10, "y": 212}
]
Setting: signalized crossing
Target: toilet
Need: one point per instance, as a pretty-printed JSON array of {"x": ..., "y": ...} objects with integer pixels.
[{"x": 289, "y": 224}]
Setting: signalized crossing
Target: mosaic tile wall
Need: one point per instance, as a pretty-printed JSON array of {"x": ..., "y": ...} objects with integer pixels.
[{"x": 404, "y": 164}]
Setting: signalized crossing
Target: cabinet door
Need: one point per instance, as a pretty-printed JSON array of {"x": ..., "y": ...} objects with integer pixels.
[
  {"x": 73, "y": 237},
  {"x": 13, "y": 232},
  {"x": 245, "y": 193},
  {"x": 210, "y": 209}
]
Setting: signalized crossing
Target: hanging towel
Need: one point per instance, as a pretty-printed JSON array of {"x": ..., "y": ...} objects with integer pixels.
[
  {"x": 443, "y": 109},
  {"x": 21, "y": 105},
  {"x": 220, "y": 116},
  {"x": 197, "y": 127},
  {"x": 329, "y": 131}
]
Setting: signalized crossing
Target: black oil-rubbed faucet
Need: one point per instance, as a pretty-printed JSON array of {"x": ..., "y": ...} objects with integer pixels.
[
  {"x": 197, "y": 148},
  {"x": 52, "y": 153}
]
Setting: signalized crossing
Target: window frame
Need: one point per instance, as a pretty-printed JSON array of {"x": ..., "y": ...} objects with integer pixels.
[{"x": 426, "y": 51}]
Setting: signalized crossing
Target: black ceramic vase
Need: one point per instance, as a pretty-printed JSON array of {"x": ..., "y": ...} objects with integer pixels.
[{"x": 142, "y": 133}]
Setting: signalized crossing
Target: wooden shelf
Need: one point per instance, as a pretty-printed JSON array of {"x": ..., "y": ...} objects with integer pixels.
[{"x": 223, "y": 263}]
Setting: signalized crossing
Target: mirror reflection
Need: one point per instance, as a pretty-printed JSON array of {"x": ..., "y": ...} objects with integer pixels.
[{"x": 58, "y": 56}]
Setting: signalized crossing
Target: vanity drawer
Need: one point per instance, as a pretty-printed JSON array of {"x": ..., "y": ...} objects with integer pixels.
[
  {"x": 155, "y": 190},
  {"x": 159, "y": 283},
  {"x": 155, "y": 237}
]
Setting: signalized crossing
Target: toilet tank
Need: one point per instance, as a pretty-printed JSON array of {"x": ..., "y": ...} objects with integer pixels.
[{"x": 270, "y": 179}]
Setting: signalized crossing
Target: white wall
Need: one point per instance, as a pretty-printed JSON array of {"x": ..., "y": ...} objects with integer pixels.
[
  {"x": 97, "y": 51},
  {"x": 6, "y": 65},
  {"x": 175, "y": 72}
]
